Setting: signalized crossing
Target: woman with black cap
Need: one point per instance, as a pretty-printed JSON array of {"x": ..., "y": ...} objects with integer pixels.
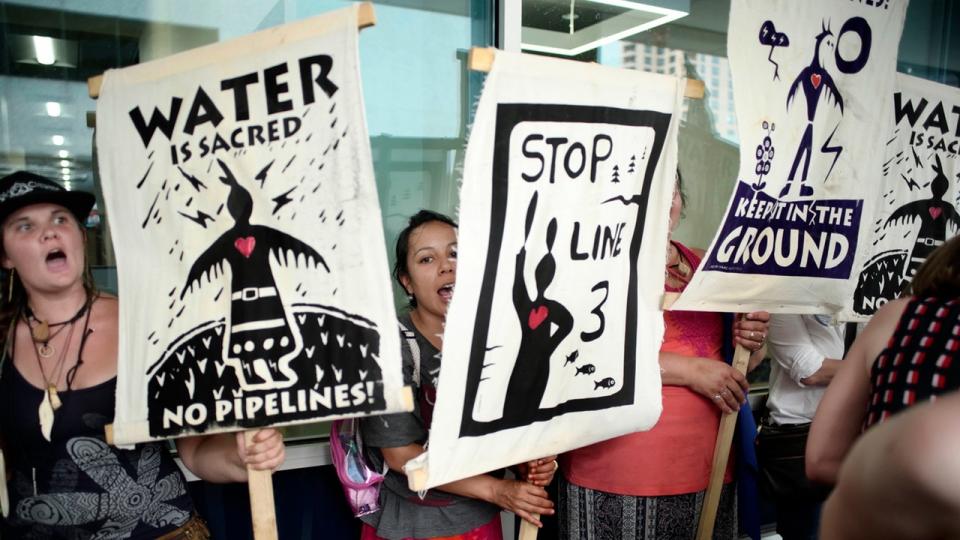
[{"x": 58, "y": 373}]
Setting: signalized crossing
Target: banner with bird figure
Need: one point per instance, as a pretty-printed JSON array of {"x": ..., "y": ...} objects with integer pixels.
[
  {"x": 253, "y": 278},
  {"x": 552, "y": 337},
  {"x": 918, "y": 197},
  {"x": 813, "y": 84}
]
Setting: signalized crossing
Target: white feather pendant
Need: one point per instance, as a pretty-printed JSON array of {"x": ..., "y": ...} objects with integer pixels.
[
  {"x": 46, "y": 415},
  {"x": 4, "y": 499}
]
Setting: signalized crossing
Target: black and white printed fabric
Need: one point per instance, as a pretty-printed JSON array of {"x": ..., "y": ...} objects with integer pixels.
[
  {"x": 552, "y": 337},
  {"x": 250, "y": 254},
  {"x": 918, "y": 197},
  {"x": 813, "y": 84}
]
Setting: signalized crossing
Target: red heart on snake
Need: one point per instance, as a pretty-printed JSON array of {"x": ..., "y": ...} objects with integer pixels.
[
  {"x": 935, "y": 211},
  {"x": 245, "y": 245},
  {"x": 537, "y": 316},
  {"x": 815, "y": 79}
]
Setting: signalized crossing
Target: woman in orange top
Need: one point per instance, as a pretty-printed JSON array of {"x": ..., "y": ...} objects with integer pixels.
[{"x": 651, "y": 484}]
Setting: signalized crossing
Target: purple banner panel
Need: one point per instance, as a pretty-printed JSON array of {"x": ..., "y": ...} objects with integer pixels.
[{"x": 809, "y": 238}]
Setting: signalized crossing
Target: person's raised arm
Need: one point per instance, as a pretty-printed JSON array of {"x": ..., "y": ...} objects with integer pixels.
[
  {"x": 791, "y": 346},
  {"x": 901, "y": 478},
  {"x": 722, "y": 384},
  {"x": 839, "y": 417},
  {"x": 522, "y": 498},
  {"x": 224, "y": 457}
]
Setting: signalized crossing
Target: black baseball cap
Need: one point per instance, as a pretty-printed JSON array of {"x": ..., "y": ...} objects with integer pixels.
[{"x": 24, "y": 188}]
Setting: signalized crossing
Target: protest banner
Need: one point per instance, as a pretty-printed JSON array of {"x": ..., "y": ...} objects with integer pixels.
[
  {"x": 918, "y": 195},
  {"x": 251, "y": 265},
  {"x": 810, "y": 80},
  {"x": 552, "y": 338}
]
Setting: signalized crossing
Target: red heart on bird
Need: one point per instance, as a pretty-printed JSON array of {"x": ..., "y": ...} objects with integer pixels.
[
  {"x": 537, "y": 316},
  {"x": 935, "y": 211},
  {"x": 815, "y": 79},
  {"x": 245, "y": 245}
]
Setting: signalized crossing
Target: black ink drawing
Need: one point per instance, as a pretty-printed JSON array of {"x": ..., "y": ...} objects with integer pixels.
[
  {"x": 585, "y": 369},
  {"x": 934, "y": 214},
  {"x": 549, "y": 369},
  {"x": 261, "y": 339},
  {"x": 764, "y": 155},
  {"x": 814, "y": 81},
  {"x": 771, "y": 38},
  {"x": 271, "y": 360},
  {"x": 608, "y": 382},
  {"x": 544, "y": 324}
]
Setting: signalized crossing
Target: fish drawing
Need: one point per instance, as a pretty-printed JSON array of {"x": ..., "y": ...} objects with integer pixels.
[{"x": 604, "y": 383}]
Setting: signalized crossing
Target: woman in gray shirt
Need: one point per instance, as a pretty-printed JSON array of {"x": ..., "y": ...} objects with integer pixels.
[{"x": 426, "y": 269}]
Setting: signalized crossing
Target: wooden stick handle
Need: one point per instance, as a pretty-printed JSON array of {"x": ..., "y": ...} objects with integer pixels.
[
  {"x": 721, "y": 453},
  {"x": 261, "y": 499},
  {"x": 528, "y": 531}
]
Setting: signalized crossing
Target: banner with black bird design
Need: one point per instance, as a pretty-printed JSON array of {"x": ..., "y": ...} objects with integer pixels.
[
  {"x": 918, "y": 196},
  {"x": 253, "y": 278},
  {"x": 812, "y": 84},
  {"x": 552, "y": 337}
]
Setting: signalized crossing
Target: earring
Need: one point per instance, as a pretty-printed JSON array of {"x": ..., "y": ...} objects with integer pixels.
[{"x": 10, "y": 285}]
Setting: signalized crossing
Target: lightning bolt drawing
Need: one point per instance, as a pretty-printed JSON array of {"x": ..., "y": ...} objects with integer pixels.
[
  {"x": 262, "y": 177},
  {"x": 636, "y": 199},
  {"x": 194, "y": 181},
  {"x": 282, "y": 200},
  {"x": 201, "y": 218},
  {"x": 910, "y": 182},
  {"x": 827, "y": 149}
]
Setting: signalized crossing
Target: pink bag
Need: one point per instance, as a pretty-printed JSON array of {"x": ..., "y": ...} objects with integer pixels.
[{"x": 361, "y": 483}]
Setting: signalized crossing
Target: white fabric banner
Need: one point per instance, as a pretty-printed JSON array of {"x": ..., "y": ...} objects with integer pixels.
[
  {"x": 251, "y": 263},
  {"x": 813, "y": 82},
  {"x": 552, "y": 338},
  {"x": 918, "y": 197}
]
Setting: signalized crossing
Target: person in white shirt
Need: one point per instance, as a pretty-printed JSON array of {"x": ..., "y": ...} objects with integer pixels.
[{"x": 806, "y": 351}]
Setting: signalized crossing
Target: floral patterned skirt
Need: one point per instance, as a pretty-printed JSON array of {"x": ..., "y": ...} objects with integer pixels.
[{"x": 586, "y": 514}]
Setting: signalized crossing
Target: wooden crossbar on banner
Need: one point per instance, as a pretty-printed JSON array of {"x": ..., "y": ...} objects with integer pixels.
[
  {"x": 260, "y": 483},
  {"x": 481, "y": 59}
]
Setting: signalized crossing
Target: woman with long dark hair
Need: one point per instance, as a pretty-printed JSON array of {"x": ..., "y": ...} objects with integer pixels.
[
  {"x": 651, "y": 484},
  {"x": 57, "y": 392},
  {"x": 426, "y": 268}
]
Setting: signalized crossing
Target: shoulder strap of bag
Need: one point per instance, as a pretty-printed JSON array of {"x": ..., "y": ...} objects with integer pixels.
[{"x": 411, "y": 338}]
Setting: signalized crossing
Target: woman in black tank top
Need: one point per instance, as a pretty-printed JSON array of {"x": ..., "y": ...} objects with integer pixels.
[
  {"x": 908, "y": 354},
  {"x": 57, "y": 386}
]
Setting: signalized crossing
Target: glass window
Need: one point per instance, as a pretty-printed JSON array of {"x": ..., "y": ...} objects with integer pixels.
[
  {"x": 417, "y": 89},
  {"x": 709, "y": 144},
  {"x": 709, "y": 147}
]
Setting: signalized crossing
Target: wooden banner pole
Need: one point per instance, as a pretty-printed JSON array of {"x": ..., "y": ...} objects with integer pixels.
[
  {"x": 721, "y": 454},
  {"x": 721, "y": 450},
  {"x": 262, "y": 509},
  {"x": 528, "y": 531}
]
